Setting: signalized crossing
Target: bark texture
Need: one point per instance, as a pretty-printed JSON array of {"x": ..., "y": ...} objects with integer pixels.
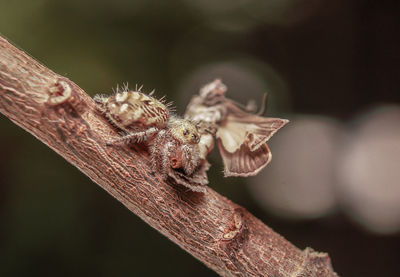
[{"x": 221, "y": 234}]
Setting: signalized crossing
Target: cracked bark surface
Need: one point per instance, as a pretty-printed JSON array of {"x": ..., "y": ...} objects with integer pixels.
[{"x": 221, "y": 234}]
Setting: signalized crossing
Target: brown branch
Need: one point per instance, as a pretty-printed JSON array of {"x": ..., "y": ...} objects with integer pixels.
[{"x": 221, "y": 234}]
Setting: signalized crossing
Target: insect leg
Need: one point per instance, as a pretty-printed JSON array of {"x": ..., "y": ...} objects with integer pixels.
[
  {"x": 100, "y": 100},
  {"x": 133, "y": 137},
  {"x": 164, "y": 160},
  {"x": 156, "y": 151},
  {"x": 191, "y": 158}
]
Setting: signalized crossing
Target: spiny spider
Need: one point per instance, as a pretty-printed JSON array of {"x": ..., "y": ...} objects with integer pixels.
[{"x": 173, "y": 142}]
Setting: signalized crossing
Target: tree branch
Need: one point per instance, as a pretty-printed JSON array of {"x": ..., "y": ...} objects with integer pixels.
[{"x": 221, "y": 234}]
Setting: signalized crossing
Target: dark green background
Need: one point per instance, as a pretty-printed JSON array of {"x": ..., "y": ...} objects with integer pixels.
[{"x": 335, "y": 57}]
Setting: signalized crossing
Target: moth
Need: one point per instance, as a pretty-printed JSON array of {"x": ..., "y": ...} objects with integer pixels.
[
  {"x": 241, "y": 133},
  {"x": 173, "y": 142}
]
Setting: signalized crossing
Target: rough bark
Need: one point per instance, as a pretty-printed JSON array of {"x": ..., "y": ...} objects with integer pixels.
[{"x": 221, "y": 234}]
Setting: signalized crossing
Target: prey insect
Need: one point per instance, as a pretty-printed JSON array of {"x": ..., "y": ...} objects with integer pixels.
[
  {"x": 241, "y": 134},
  {"x": 173, "y": 142}
]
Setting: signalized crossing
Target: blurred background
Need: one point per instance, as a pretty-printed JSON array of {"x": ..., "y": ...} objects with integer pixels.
[{"x": 330, "y": 67}]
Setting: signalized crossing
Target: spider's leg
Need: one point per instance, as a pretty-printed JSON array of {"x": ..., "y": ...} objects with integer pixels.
[
  {"x": 164, "y": 160},
  {"x": 101, "y": 100},
  {"x": 155, "y": 151},
  {"x": 133, "y": 137},
  {"x": 191, "y": 160}
]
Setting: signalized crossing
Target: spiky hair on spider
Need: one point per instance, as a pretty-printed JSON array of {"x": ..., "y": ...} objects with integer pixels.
[{"x": 173, "y": 142}]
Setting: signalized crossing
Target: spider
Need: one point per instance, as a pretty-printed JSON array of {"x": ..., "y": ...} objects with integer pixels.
[{"x": 173, "y": 142}]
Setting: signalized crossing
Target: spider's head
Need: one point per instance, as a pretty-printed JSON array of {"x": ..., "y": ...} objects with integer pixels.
[{"x": 184, "y": 131}]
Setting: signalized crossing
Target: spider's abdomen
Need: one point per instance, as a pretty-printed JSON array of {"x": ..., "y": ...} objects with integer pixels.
[{"x": 134, "y": 111}]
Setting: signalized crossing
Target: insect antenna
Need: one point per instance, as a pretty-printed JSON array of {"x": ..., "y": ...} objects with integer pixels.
[
  {"x": 263, "y": 104},
  {"x": 240, "y": 105},
  {"x": 250, "y": 107}
]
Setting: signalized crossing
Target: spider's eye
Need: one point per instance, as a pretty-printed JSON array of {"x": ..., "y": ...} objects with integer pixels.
[
  {"x": 195, "y": 138},
  {"x": 185, "y": 132}
]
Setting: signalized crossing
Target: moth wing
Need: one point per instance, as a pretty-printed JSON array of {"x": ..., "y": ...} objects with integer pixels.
[
  {"x": 261, "y": 130},
  {"x": 249, "y": 129},
  {"x": 244, "y": 162},
  {"x": 242, "y": 141}
]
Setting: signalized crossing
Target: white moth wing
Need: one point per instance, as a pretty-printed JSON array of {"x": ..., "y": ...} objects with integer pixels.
[
  {"x": 242, "y": 141},
  {"x": 232, "y": 135},
  {"x": 252, "y": 130}
]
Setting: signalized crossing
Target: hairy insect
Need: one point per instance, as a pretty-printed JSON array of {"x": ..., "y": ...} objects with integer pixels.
[
  {"x": 173, "y": 142},
  {"x": 241, "y": 135}
]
